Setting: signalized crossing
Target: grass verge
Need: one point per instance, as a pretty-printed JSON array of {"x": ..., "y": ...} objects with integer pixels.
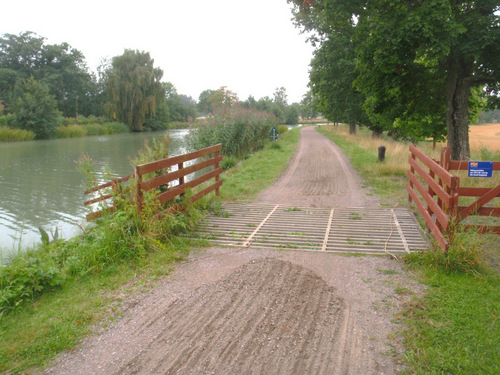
[
  {"x": 97, "y": 281},
  {"x": 454, "y": 328}
]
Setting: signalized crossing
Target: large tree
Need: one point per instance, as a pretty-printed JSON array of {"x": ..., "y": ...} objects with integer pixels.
[
  {"x": 417, "y": 61},
  {"x": 133, "y": 88},
  {"x": 59, "y": 66}
]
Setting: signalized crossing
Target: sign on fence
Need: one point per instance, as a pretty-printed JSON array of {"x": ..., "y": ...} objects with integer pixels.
[{"x": 480, "y": 169}]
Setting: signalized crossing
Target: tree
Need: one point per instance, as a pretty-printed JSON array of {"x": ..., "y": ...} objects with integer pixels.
[
  {"x": 332, "y": 76},
  {"x": 203, "y": 105},
  {"x": 61, "y": 67},
  {"x": 222, "y": 100},
  {"x": 308, "y": 106},
  {"x": 133, "y": 88},
  {"x": 416, "y": 60},
  {"x": 36, "y": 109}
]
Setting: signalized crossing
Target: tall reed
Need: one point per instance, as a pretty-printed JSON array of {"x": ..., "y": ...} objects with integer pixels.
[{"x": 15, "y": 135}]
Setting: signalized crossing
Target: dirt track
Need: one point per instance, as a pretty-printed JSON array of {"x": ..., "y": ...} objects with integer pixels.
[{"x": 251, "y": 311}]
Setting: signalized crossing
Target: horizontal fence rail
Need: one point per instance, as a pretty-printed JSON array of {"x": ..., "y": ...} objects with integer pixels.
[
  {"x": 157, "y": 178},
  {"x": 104, "y": 196},
  {"x": 445, "y": 189},
  {"x": 436, "y": 193},
  {"x": 163, "y": 176}
]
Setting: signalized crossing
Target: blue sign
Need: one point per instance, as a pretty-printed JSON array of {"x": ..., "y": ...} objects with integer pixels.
[{"x": 480, "y": 169}]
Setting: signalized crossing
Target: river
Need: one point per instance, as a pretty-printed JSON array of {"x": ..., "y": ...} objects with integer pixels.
[{"x": 40, "y": 185}]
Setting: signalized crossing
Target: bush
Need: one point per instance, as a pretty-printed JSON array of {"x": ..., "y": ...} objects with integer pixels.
[
  {"x": 282, "y": 129},
  {"x": 15, "y": 135},
  {"x": 26, "y": 278},
  {"x": 6, "y": 120},
  {"x": 239, "y": 130},
  {"x": 36, "y": 110}
]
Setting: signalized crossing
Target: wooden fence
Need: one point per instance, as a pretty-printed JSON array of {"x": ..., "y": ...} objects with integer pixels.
[
  {"x": 440, "y": 191},
  {"x": 156, "y": 177}
]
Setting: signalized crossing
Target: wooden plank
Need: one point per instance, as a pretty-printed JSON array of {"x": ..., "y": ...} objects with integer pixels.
[
  {"x": 473, "y": 192},
  {"x": 484, "y": 211},
  {"x": 441, "y": 240},
  {"x": 177, "y": 190},
  {"x": 108, "y": 184},
  {"x": 446, "y": 176},
  {"x": 98, "y": 214},
  {"x": 459, "y": 165},
  {"x": 205, "y": 191},
  {"x": 166, "y": 178},
  {"x": 438, "y": 190},
  {"x": 479, "y": 203},
  {"x": 432, "y": 204},
  {"x": 168, "y": 162},
  {"x": 95, "y": 200}
]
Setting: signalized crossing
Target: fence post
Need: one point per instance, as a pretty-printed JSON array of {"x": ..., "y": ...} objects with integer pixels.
[
  {"x": 181, "y": 179},
  {"x": 139, "y": 197},
  {"x": 412, "y": 171},
  {"x": 217, "y": 177}
]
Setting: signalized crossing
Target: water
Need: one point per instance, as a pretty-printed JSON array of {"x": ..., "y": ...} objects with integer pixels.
[{"x": 41, "y": 187}]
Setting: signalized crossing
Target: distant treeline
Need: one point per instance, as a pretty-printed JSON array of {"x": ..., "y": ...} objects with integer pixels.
[{"x": 41, "y": 84}]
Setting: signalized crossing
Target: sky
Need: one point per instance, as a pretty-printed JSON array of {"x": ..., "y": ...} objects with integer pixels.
[{"x": 250, "y": 46}]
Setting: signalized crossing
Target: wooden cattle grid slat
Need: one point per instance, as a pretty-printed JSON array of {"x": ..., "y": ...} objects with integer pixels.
[{"x": 360, "y": 230}]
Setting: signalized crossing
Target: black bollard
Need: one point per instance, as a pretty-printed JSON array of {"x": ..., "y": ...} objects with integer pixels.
[{"x": 381, "y": 153}]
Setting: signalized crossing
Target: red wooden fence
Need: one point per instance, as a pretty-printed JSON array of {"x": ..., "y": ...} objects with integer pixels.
[
  {"x": 440, "y": 192},
  {"x": 150, "y": 176}
]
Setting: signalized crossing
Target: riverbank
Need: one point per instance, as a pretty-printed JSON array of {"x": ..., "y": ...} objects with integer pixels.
[{"x": 37, "y": 331}]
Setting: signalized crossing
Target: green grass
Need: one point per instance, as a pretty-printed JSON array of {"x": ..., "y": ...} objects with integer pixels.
[
  {"x": 98, "y": 276},
  {"x": 454, "y": 327},
  {"x": 59, "y": 319},
  {"x": 259, "y": 170}
]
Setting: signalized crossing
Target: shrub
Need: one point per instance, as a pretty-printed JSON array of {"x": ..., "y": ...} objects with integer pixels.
[
  {"x": 282, "y": 129},
  {"x": 36, "y": 110},
  {"x": 15, "y": 135},
  {"x": 26, "y": 278},
  {"x": 6, "y": 120},
  {"x": 239, "y": 130}
]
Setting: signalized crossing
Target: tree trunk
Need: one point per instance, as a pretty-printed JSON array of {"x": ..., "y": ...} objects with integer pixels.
[
  {"x": 457, "y": 104},
  {"x": 352, "y": 128}
]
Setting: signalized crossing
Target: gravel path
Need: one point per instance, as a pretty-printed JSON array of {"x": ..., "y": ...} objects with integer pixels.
[{"x": 250, "y": 311}]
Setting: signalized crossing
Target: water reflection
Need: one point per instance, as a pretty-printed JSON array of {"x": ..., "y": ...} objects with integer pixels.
[{"x": 40, "y": 185}]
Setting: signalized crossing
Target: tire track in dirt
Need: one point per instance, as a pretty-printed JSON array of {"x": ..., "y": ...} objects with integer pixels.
[
  {"x": 319, "y": 175},
  {"x": 268, "y": 317}
]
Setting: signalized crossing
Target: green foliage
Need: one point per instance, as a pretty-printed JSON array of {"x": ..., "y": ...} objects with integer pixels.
[
  {"x": 239, "y": 130},
  {"x": 134, "y": 89},
  {"x": 282, "y": 129},
  {"x": 36, "y": 110},
  {"x": 15, "y": 135},
  {"x": 71, "y": 131},
  {"x": 228, "y": 162},
  {"x": 26, "y": 278},
  {"x": 6, "y": 120},
  {"x": 60, "y": 67},
  {"x": 416, "y": 63}
]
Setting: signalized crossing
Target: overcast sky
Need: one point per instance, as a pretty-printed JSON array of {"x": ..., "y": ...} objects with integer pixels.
[{"x": 250, "y": 46}]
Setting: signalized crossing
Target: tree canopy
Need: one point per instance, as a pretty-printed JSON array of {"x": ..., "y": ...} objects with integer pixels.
[
  {"x": 417, "y": 62},
  {"x": 133, "y": 88},
  {"x": 59, "y": 66}
]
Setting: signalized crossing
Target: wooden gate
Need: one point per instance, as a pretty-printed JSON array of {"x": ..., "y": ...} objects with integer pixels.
[{"x": 440, "y": 192}]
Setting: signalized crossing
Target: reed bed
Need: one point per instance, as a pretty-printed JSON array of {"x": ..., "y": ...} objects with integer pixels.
[{"x": 15, "y": 135}]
